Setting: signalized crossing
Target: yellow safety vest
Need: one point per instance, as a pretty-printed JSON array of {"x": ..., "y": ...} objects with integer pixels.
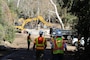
[
  {"x": 58, "y": 46},
  {"x": 40, "y": 44}
]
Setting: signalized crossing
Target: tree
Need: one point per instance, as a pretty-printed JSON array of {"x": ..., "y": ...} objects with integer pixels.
[
  {"x": 81, "y": 8},
  {"x": 64, "y": 7},
  {"x": 18, "y": 3},
  {"x": 57, "y": 14},
  {"x": 6, "y": 23}
]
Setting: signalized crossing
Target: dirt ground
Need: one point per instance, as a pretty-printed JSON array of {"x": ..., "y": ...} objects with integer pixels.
[{"x": 20, "y": 42}]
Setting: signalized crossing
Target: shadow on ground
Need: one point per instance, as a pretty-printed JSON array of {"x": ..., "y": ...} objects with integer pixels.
[{"x": 24, "y": 54}]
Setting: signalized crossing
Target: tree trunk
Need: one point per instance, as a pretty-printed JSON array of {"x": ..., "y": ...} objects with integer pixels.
[
  {"x": 61, "y": 23},
  {"x": 18, "y": 3}
]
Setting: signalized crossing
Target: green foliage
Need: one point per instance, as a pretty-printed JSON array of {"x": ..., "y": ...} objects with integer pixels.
[
  {"x": 9, "y": 33},
  {"x": 11, "y": 6},
  {"x": 70, "y": 18},
  {"x": 65, "y": 3},
  {"x": 6, "y": 30},
  {"x": 1, "y": 27},
  {"x": 13, "y": 10},
  {"x": 1, "y": 32},
  {"x": 82, "y": 9},
  {"x": 64, "y": 7},
  {"x": 0, "y": 12}
]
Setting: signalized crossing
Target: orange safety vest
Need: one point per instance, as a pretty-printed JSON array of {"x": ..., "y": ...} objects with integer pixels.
[
  {"x": 58, "y": 46},
  {"x": 40, "y": 43}
]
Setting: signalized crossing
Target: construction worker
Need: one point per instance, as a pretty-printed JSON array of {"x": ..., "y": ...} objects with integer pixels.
[
  {"x": 28, "y": 40},
  {"x": 58, "y": 46},
  {"x": 40, "y": 44}
]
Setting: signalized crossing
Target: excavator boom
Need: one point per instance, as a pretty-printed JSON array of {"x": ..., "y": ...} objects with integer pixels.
[{"x": 33, "y": 19}]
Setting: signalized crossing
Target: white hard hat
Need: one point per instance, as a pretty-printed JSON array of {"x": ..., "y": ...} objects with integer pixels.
[
  {"x": 58, "y": 33},
  {"x": 40, "y": 32},
  {"x": 53, "y": 33}
]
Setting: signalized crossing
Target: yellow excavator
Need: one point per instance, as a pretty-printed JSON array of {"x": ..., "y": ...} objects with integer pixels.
[{"x": 24, "y": 22}]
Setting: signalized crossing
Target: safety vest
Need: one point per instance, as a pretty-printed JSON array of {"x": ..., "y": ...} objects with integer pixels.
[
  {"x": 28, "y": 39},
  {"x": 58, "y": 47},
  {"x": 40, "y": 44}
]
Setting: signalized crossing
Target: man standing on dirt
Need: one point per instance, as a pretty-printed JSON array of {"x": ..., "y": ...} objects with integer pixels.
[
  {"x": 40, "y": 44},
  {"x": 28, "y": 40},
  {"x": 58, "y": 46}
]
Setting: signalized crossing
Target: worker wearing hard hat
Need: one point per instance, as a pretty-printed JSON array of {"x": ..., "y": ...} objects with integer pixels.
[
  {"x": 40, "y": 44},
  {"x": 58, "y": 46}
]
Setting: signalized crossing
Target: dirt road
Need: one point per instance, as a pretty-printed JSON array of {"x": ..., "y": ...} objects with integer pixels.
[
  {"x": 21, "y": 53},
  {"x": 21, "y": 42}
]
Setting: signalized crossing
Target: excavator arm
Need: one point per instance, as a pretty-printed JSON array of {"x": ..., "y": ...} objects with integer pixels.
[{"x": 31, "y": 19}]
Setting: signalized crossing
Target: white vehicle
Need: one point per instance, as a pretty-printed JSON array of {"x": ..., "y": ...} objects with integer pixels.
[
  {"x": 82, "y": 41},
  {"x": 75, "y": 41}
]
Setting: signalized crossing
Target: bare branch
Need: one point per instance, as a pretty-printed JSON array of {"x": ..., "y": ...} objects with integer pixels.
[
  {"x": 18, "y": 3},
  {"x": 51, "y": 11},
  {"x": 62, "y": 25}
]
